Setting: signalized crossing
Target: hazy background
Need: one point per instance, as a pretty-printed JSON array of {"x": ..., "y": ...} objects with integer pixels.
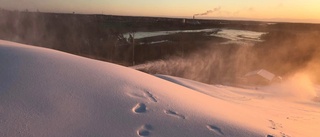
[
  {"x": 267, "y": 10},
  {"x": 287, "y": 48}
]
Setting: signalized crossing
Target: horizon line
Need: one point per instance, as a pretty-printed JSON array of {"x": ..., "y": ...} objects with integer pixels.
[{"x": 267, "y": 20}]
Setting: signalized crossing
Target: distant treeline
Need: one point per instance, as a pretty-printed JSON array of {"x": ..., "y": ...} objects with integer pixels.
[
  {"x": 287, "y": 47},
  {"x": 287, "y": 51},
  {"x": 94, "y": 36},
  {"x": 99, "y": 36}
]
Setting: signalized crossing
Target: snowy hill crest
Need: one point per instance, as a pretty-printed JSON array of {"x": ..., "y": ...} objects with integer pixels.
[{"x": 50, "y": 93}]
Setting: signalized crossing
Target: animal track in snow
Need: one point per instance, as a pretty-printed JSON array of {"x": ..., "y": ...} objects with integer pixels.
[
  {"x": 150, "y": 96},
  {"x": 143, "y": 95},
  {"x": 145, "y": 130},
  {"x": 269, "y": 136},
  {"x": 215, "y": 129},
  {"x": 275, "y": 125},
  {"x": 140, "y": 108},
  {"x": 284, "y": 134},
  {"x": 137, "y": 95},
  {"x": 174, "y": 114}
]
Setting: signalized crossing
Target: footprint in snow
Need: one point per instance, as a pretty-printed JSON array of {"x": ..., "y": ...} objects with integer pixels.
[
  {"x": 143, "y": 95},
  {"x": 174, "y": 114},
  {"x": 145, "y": 130},
  {"x": 275, "y": 125},
  {"x": 137, "y": 95},
  {"x": 150, "y": 96},
  {"x": 284, "y": 134},
  {"x": 215, "y": 129},
  {"x": 140, "y": 108}
]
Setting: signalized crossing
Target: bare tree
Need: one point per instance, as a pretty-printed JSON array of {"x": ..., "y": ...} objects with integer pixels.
[{"x": 132, "y": 42}]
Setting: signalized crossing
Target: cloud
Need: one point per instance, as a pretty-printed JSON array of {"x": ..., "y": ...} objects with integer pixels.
[
  {"x": 236, "y": 13},
  {"x": 280, "y": 5},
  {"x": 251, "y": 9}
]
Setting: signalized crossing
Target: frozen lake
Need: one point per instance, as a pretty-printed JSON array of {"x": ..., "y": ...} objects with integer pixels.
[
  {"x": 235, "y": 35},
  {"x": 140, "y": 35},
  {"x": 231, "y": 34}
]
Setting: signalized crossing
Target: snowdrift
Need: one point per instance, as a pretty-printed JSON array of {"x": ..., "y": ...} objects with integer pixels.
[{"x": 49, "y": 93}]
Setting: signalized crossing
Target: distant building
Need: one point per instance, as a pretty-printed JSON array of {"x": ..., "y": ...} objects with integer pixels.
[
  {"x": 260, "y": 77},
  {"x": 262, "y": 73}
]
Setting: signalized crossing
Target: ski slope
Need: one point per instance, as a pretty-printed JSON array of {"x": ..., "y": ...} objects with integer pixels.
[{"x": 44, "y": 92}]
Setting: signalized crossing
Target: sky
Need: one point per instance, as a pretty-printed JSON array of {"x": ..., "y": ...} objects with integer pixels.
[{"x": 268, "y": 10}]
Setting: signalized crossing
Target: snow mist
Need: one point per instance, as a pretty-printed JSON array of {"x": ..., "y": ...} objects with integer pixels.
[
  {"x": 297, "y": 87},
  {"x": 216, "y": 64},
  {"x": 302, "y": 84}
]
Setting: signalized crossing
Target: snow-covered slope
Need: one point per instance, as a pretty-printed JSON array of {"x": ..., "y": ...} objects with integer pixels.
[{"x": 49, "y": 93}]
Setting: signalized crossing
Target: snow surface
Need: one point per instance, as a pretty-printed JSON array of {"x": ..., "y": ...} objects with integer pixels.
[{"x": 49, "y": 93}]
